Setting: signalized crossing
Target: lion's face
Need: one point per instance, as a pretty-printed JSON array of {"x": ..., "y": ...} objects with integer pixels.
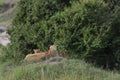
[{"x": 53, "y": 47}]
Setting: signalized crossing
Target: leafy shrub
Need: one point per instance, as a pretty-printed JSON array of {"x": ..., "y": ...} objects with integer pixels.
[
  {"x": 9, "y": 54},
  {"x": 30, "y": 13},
  {"x": 87, "y": 31},
  {"x": 84, "y": 29},
  {"x": 113, "y": 3}
]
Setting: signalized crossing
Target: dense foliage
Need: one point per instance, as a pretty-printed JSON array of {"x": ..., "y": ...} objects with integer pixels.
[
  {"x": 87, "y": 29},
  {"x": 113, "y": 3}
]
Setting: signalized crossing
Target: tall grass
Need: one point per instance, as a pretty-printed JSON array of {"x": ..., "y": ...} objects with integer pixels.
[{"x": 65, "y": 70}]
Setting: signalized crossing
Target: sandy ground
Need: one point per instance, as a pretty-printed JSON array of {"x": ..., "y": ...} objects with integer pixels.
[{"x": 4, "y": 37}]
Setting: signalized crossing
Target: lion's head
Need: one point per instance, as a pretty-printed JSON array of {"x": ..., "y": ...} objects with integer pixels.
[{"x": 36, "y": 50}]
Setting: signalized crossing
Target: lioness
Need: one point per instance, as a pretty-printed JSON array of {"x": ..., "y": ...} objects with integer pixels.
[{"x": 51, "y": 52}]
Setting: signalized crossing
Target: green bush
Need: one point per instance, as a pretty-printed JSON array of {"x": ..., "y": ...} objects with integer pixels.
[
  {"x": 88, "y": 30},
  {"x": 113, "y": 3},
  {"x": 24, "y": 34},
  {"x": 9, "y": 54},
  {"x": 32, "y": 11},
  {"x": 84, "y": 29}
]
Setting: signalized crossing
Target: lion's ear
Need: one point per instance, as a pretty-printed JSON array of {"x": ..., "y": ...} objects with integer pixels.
[
  {"x": 49, "y": 46},
  {"x": 34, "y": 50},
  {"x": 55, "y": 45}
]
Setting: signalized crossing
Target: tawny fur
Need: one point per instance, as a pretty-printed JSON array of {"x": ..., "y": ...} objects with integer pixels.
[
  {"x": 51, "y": 52},
  {"x": 36, "y": 50}
]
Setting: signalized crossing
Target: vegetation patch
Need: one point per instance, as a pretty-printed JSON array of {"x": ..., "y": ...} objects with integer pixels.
[
  {"x": 82, "y": 28},
  {"x": 65, "y": 70}
]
